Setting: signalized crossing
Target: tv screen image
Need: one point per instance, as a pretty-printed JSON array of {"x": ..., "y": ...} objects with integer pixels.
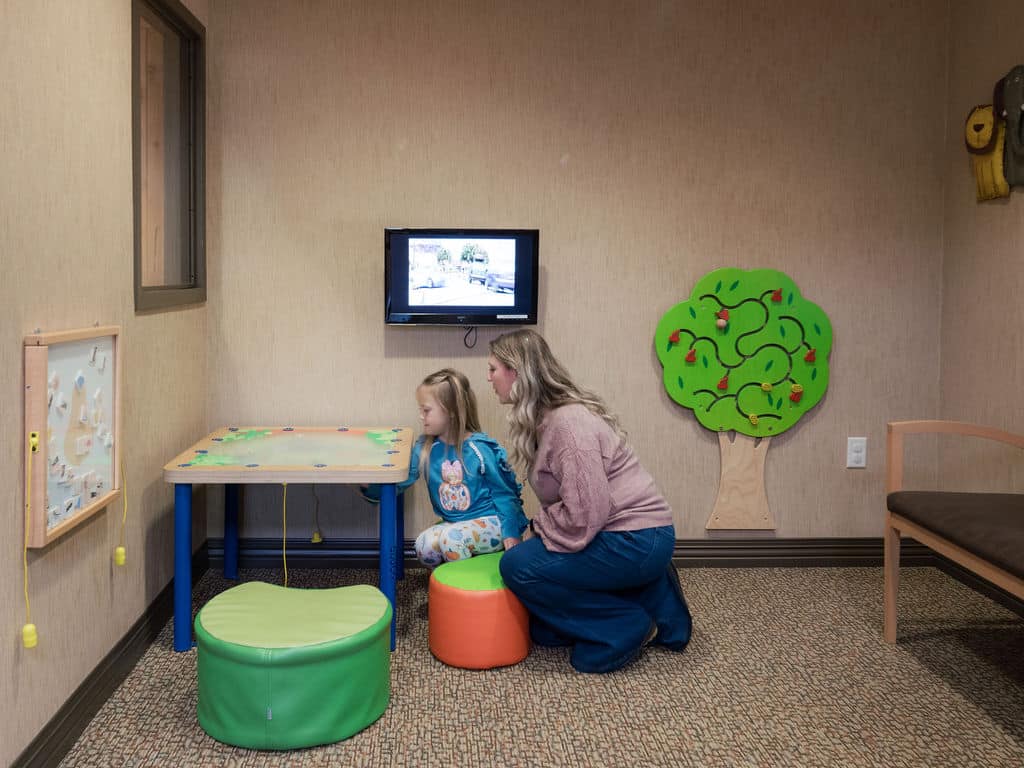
[
  {"x": 472, "y": 271},
  {"x": 460, "y": 277}
]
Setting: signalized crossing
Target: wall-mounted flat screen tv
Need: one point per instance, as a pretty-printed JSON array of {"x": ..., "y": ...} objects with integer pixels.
[{"x": 460, "y": 276}]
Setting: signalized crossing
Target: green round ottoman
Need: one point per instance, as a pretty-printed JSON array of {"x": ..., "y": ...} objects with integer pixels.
[{"x": 289, "y": 668}]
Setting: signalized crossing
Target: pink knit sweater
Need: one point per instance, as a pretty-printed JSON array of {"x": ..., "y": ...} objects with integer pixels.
[{"x": 588, "y": 480}]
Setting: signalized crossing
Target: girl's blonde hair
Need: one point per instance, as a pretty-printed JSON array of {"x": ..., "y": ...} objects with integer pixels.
[
  {"x": 452, "y": 391},
  {"x": 542, "y": 383}
]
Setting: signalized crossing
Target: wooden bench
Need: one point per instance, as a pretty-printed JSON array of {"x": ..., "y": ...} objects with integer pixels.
[{"x": 982, "y": 532}]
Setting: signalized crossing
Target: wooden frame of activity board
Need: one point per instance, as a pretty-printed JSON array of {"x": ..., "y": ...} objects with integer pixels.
[{"x": 38, "y": 410}]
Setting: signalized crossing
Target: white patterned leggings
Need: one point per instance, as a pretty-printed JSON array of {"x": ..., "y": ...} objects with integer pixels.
[{"x": 445, "y": 542}]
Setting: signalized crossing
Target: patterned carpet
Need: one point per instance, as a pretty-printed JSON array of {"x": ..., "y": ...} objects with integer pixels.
[{"x": 787, "y": 668}]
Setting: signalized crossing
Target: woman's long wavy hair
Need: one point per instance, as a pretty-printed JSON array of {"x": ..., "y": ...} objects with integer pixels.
[
  {"x": 452, "y": 391},
  {"x": 542, "y": 383}
]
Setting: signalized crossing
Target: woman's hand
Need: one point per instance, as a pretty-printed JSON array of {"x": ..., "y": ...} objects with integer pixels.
[{"x": 510, "y": 542}]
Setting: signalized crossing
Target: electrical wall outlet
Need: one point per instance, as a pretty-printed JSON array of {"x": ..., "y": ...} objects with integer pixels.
[{"x": 856, "y": 452}]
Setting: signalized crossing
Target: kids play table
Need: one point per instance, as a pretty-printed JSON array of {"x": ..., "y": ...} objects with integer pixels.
[{"x": 232, "y": 456}]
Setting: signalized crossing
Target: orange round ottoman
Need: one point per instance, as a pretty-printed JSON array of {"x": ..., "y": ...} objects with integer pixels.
[{"x": 475, "y": 620}]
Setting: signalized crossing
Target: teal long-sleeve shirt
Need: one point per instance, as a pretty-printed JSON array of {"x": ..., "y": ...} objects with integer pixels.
[{"x": 477, "y": 484}]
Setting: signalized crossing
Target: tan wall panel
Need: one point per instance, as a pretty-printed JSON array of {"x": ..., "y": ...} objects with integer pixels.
[
  {"x": 650, "y": 143},
  {"x": 65, "y": 219},
  {"x": 983, "y": 271}
]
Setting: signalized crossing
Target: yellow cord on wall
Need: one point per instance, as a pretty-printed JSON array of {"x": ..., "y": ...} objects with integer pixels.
[
  {"x": 284, "y": 533},
  {"x": 120, "y": 554},
  {"x": 29, "y": 636},
  {"x": 316, "y": 538}
]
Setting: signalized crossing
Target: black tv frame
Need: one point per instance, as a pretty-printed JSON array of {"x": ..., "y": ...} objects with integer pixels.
[{"x": 524, "y": 312}]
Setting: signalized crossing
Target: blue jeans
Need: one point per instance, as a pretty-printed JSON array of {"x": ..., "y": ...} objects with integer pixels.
[{"x": 603, "y": 599}]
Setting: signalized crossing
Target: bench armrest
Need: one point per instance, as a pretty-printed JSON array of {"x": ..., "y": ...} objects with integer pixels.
[{"x": 897, "y": 429}]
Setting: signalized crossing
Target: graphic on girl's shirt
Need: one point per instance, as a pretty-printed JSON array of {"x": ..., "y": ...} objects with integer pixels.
[{"x": 453, "y": 494}]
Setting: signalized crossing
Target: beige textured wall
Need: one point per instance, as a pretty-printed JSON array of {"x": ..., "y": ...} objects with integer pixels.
[
  {"x": 983, "y": 272},
  {"x": 66, "y": 250},
  {"x": 650, "y": 142}
]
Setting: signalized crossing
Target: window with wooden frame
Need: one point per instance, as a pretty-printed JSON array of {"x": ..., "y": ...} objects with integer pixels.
[{"x": 168, "y": 150}]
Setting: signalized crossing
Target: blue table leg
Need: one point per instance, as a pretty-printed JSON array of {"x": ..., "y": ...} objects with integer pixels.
[
  {"x": 388, "y": 534},
  {"x": 401, "y": 536},
  {"x": 182, "y": 566},
  {"x": 231, "y": 531}
]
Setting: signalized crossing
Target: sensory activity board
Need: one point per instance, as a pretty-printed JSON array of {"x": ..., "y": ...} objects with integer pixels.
[
  {"x": 72, "y": 423},
  {"x": 748, "y": 354},
  {"x": 294, "y": 454}
]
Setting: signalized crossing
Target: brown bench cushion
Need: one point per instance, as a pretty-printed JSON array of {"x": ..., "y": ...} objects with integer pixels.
[{"x": 989, "y": 525}]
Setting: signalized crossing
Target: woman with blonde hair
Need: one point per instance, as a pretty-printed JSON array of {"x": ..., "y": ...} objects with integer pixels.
[{"x": 598, "y": 574}]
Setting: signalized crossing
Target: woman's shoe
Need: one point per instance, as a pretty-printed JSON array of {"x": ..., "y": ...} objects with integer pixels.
[
  {"x": 652, "y": 634},
  {"x": 675, "y": 633}
]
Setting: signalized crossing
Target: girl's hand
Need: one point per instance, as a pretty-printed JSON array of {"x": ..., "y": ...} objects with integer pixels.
[{"x": 510, "y": 542}]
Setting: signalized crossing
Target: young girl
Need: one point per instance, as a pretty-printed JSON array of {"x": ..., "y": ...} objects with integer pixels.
[{"x": 471, "y": 485}]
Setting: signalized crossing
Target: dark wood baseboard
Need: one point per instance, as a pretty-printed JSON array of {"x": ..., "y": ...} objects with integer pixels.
[
  {"x": 689, "y": 553},
  {"x": 60, "y": 734},
  {"x": 789, "y": 553},
  {"x": 302, "y": 553}
]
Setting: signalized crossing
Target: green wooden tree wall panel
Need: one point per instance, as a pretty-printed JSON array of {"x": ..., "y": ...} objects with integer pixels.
[{"x": 749, "y": 356}]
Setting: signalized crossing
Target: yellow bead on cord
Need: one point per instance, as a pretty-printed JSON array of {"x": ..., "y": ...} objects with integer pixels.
[
  {"x": 29, "y": 636},
  {"x": 120, "y": 555}
]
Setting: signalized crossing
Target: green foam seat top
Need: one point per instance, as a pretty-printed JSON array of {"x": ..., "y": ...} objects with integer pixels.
[
  {"x": 289, "y": 668},
  {"x": 477, "y": 573}
]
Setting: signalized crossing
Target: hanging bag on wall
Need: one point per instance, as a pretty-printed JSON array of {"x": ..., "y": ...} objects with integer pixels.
[
  {"x": 1008, "y": 101},
  {"x": 984, "y": 136}
]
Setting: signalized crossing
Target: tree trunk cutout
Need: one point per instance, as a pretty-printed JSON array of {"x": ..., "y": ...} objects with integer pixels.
[{"x": 742, "y": 502}]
